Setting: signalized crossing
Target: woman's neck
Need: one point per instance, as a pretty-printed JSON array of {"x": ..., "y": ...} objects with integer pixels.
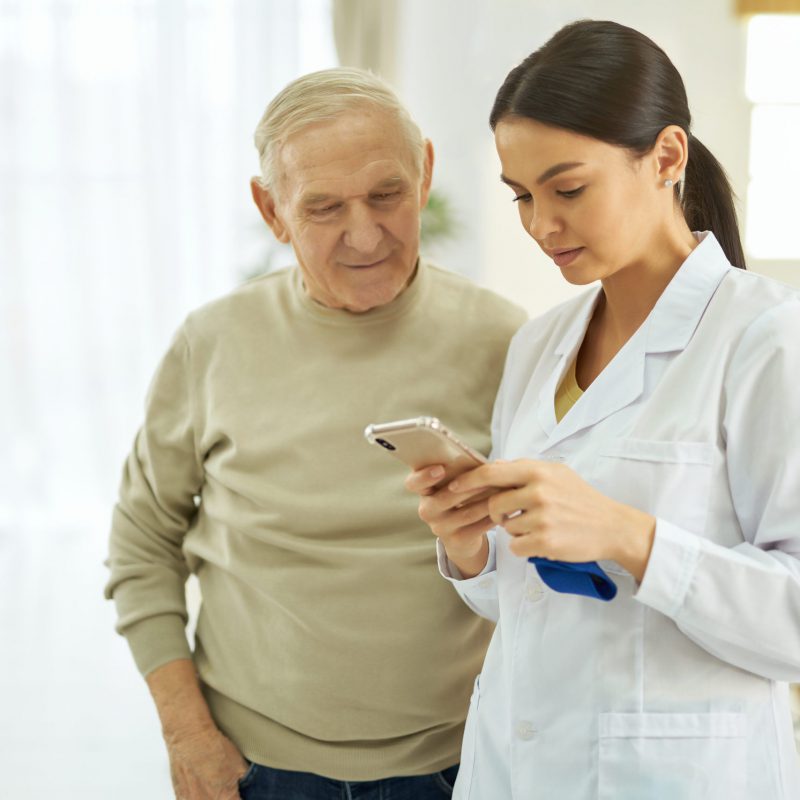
[
  {"x": 628, "y": 297},
  {"x": 631, "y": 293}
]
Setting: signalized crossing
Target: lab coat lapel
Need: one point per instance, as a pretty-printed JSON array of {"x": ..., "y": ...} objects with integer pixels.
[
  {"x": 563, "y": 354},
  {"x": 618, "y": 385},
  {"x": 678, "y": 312},
  {"x": 668, "y": 328}
]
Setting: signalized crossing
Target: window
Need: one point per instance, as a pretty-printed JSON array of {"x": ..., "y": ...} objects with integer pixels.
[{"x": 773, "y": 64}]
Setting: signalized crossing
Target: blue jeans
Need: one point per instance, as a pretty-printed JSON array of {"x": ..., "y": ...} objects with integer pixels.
[{"x": 266, "y": 783}]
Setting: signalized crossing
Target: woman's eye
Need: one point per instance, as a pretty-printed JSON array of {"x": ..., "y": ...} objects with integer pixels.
[
  {"x": 521, "y": 198},
  {"x": 571, "y": 193}
]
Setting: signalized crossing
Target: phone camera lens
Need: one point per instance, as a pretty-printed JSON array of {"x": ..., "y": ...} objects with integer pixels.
[{"x": 387, "y": 445}]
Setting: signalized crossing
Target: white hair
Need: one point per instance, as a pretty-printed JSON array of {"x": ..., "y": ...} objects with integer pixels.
[{"x": 325, "y": 95}]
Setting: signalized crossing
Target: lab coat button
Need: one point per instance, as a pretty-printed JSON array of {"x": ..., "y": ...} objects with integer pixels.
[
  {"x": 525, "y": 730},
  {"x": 486, "y": 583},
  {"x": 534, "y": 592}
]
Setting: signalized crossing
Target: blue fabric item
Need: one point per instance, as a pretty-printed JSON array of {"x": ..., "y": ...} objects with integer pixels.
[{"x": 584, "y": 577}]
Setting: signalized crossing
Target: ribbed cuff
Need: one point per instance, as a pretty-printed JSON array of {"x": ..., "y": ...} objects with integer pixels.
[{"x": 157, "y": 640}]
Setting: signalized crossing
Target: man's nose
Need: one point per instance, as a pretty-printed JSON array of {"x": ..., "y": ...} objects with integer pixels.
[{"x": 363, "y": 233}]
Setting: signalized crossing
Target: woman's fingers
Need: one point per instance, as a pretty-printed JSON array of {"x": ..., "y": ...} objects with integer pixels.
[
  {"x": 528, "y": 522},
  {"x": 464, "y": 536},
  {"x": 502, "y": 474},
  {"x": 466, "y": 515},
  {"x": 423, "y": 481},
  {"x": 529, "y": 544},
  {"x": 507, "y": 505},
  {"x": 445, "y": 512}
]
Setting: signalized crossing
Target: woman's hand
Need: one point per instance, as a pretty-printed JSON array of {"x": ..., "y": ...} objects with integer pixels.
[
  {"x": 550, "y": 511},
  {"x": 461, "y": 525}
]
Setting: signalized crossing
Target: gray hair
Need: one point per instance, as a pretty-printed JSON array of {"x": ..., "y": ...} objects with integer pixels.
[{"x": 325, "y": 95}]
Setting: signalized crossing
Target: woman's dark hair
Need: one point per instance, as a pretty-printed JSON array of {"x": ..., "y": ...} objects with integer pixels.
[{"x": 612, "y": 83}]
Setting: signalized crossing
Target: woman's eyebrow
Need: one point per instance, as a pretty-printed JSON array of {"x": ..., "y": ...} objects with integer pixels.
[
  {"x": 557, "y": 169},
  {"x": 510, "y": 182}
]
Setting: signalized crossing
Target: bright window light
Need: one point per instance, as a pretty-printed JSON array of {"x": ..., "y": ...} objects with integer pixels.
[
  {"x": 772, "y": 225},
  {"x": 773, "y": 59},
  {"x": 774, "y": 137},
  {"x": 317, "y": 49},
  {"x": 773, "y": 86}
]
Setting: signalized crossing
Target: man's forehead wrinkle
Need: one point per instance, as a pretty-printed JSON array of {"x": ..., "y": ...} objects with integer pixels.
[
  {"x": 320, "y": 183},
  {"x": 311, "y": 197},
  {"x": 344, "y": 166}
]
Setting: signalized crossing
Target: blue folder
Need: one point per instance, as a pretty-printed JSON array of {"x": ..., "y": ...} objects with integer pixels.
[{"x": 584, "y": 577}]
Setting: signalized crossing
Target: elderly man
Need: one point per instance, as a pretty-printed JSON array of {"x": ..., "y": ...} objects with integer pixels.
[{"x": 328, "y": 651}]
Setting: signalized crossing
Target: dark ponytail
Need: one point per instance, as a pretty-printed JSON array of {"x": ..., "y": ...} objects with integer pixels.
[
  {"x": 612, "y": 83},
  {"x": 707, "y": 200}
]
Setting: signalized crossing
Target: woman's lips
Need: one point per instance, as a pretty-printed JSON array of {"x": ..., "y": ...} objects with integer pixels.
[{"x": 564, "y": 258}]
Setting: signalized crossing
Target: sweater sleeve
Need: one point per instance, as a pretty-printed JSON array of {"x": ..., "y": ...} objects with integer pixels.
[
  {"x": 742, "y": 604},
  {"x": 161, "y": 480}
]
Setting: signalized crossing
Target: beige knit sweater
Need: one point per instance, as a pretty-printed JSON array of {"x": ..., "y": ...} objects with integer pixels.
[{"x": 327, "y": 641}]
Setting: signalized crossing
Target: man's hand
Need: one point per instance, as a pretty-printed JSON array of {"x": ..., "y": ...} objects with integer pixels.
[
  {"x": 460, "y": 525},
  {"x": 205, "y": 765}
]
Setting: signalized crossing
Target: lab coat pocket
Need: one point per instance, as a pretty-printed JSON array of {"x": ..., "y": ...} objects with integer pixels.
[
  {"x": 464, "y": 779},
  {"x": 670, "y": 480},
  {"x": 656, "y": 756}
]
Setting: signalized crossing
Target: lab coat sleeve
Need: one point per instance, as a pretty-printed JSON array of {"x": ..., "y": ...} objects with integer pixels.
[
  {"x": 742, "y": 604},
  {"x": 480, "y": 592}
]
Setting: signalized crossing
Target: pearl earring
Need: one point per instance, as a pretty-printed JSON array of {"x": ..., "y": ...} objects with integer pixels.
[{"x": 668, "y": 182}]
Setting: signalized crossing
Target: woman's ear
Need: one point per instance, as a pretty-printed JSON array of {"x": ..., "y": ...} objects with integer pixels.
[
  {"x": 671, "y": 152},
  {"x": 265, "y": 201}
]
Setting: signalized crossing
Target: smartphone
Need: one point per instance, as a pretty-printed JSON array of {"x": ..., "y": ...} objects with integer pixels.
[{"x": 424, "y": 441}]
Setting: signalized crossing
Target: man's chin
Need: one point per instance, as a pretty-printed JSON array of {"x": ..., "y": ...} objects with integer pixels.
[
  {"x": 363, "y": 303},
  {"x": 369, "y": 295},
  {"x": 364, "y": 299}
]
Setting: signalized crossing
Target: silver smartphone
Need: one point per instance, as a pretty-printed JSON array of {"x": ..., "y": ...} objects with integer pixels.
[{"x": 424, "y": 441}]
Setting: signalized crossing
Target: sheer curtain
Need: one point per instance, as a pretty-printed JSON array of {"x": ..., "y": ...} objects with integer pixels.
[{"x": 125, "y": 154}]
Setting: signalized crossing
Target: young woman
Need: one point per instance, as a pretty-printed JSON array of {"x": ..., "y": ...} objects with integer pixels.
[{"x": 649, "y": 425}]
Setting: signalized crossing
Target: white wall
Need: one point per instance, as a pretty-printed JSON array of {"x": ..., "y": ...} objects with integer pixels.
[{"x": 454, "y": 56}]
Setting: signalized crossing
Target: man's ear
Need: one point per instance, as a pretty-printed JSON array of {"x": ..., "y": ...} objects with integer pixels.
[
  {"x": 427, "y": 174},
  {"x": 265, "y": 201},
  {"x": 672, "y": 152}
]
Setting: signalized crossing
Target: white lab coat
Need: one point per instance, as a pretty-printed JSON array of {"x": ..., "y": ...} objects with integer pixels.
[{"x": 676, "y": 689}]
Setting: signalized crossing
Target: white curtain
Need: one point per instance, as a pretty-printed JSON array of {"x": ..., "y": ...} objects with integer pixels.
[
  {"x": 366, "y": 35},
  {"x": 125, "y": 155}
]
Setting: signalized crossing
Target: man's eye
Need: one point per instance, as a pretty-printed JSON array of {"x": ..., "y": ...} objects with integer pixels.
[
  {"x": 321, "y": 211},
  {"x": 382, "y": 197},
  {"x": 571, "y": 193}
]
